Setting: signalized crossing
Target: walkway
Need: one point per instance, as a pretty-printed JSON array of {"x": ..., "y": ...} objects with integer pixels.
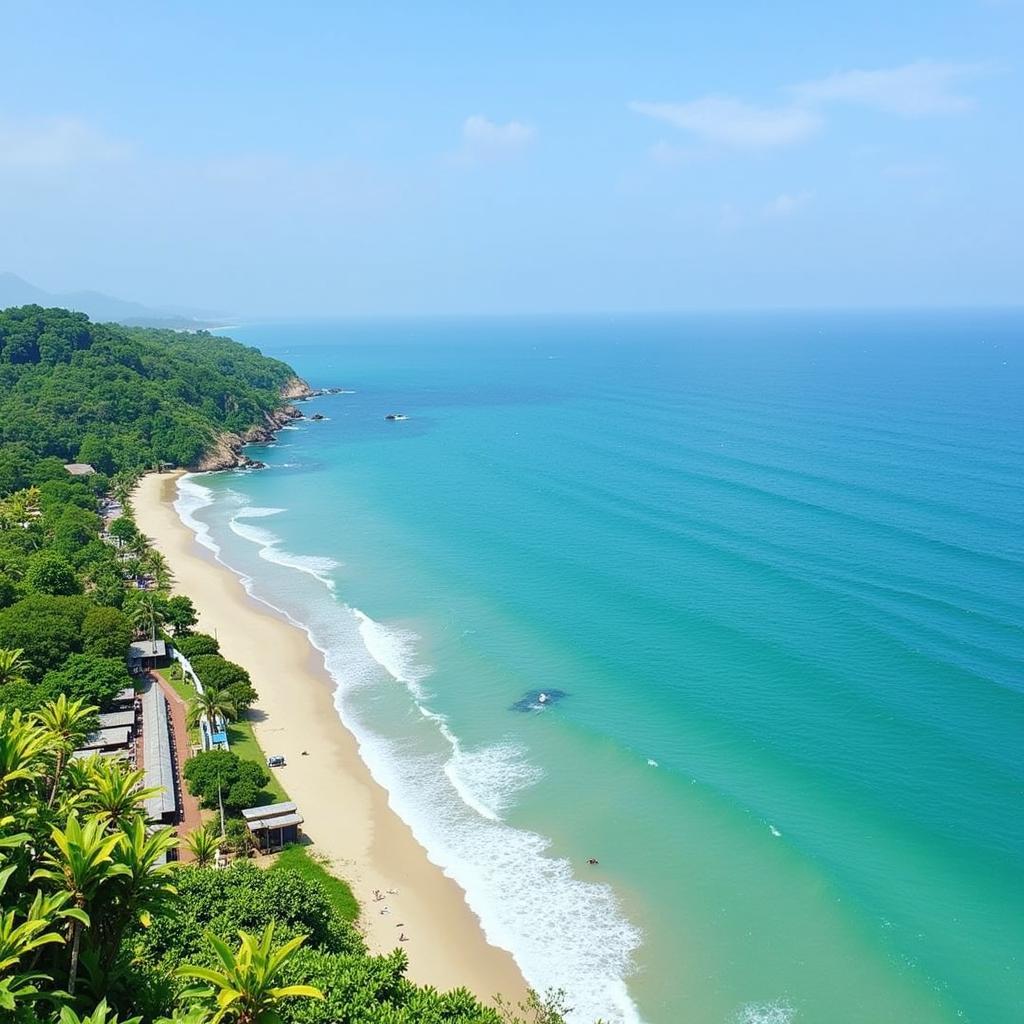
[{"x": 191, "y": 818}]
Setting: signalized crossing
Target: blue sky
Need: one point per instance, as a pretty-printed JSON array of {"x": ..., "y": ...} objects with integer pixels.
[{"x": 320, "y": 158}]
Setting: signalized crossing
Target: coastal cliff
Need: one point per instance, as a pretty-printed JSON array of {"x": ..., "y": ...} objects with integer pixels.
[{"x": 226, "y": 449}]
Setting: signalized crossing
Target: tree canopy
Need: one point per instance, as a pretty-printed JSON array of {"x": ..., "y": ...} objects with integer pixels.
[
  {"x": 239, "y": 783},
  {"x": 224, "y": 675},
  {"x": 121, "y": 398}
]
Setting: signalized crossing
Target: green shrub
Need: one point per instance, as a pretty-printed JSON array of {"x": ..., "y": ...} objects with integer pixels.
[
  {"x": 221, "y": 674},
  {"x": 106, "y": 632},
  {"x": 239, "y": 783},
  {"x": 46, "y": 628},
  {"x": 195, "y": 644},
  {"x": 93, "y": 679},
  {"x": 49, "y": 573}
]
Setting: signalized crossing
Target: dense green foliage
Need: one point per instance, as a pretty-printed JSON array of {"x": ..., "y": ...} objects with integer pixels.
[
  {"x": 106, "y": 632},
  {"x": 93, "y": 679},
  {"x": 195, "y": 644},
  {"x": 216, "y": 775},
  {"x": 48, "y": 629},
  {"x": 298, "y": 859},
  {"x": 120, "y": 398},
  {"x": 226, "y": 676},
  {"x": 359, "y": 989}
]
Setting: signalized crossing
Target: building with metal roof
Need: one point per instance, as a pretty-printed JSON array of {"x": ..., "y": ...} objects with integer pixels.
[
  {"x": 112, "y": 738},
  {"x": 157, "y": 757},
  {"x": 117, "y": 719},
  {"x": 275, "y": 825}
]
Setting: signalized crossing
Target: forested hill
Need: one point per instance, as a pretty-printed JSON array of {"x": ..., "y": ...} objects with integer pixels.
[{"x": 122, "y": 398}]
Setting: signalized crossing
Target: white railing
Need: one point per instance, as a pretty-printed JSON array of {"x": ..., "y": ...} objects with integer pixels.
[{"x": 205, "y": 731}]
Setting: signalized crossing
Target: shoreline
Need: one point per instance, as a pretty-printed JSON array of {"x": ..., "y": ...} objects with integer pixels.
[{"x": 350, "y": 820}]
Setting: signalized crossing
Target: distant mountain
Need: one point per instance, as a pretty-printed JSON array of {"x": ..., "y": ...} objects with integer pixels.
[{"x": 15, "y": 291}]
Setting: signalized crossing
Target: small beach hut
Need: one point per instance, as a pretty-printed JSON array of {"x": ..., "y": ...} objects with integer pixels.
[{"x": 275, "y": 825}]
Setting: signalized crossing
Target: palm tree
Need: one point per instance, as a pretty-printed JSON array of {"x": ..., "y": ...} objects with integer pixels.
[
  {"x": 159, "y": 569},
  {"x": 245, "y": 991},
  {"x": 67, "y": 723},
  {"x": 140, "y": 887},
  {"x": 102, "y": 1014},
  {"x": 12, "y": 664},
  {"x": 25, "y": 927},
  {"x": 211, "y": 704},
  {"x": 113, "y": 791},
  {"x": 144, "y": 613},
  {"x": 138, "y": 546},
  {"x": 204, "y": 846},
  {"x": 121, "y": 489},
  {"x": 84, "y": 862},
  {"x": 22, "y": 749}
]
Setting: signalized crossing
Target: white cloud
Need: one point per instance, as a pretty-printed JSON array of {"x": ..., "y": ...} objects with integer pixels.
[
  {"x": 487, "y": 139},
  {"x": 785, "y": 205},
  {"x": 731, "y": 122},
  {"x": 914, "y": 90},
  {"x": 917, "y": 89},
  {"x": 55, "y": 142}
]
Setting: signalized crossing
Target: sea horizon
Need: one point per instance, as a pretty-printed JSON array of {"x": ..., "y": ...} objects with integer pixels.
[{"x": 783, "y": 683}]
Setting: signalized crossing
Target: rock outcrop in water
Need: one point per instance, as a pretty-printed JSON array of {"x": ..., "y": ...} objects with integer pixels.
[{"x": 227, "y": 450}]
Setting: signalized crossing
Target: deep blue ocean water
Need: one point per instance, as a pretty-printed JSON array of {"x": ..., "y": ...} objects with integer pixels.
[{"x": 774, "y": 565}]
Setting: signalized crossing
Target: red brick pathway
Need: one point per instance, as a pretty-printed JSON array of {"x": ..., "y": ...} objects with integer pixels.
[{"x": 191, "y": 817}]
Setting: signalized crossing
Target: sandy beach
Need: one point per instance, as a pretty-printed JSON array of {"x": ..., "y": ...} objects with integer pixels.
[{"x": 347, "y": 816}]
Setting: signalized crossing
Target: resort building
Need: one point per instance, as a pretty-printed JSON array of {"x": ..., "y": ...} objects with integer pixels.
[
  {"x": 275, "y": 825},
  {"x": 146, "y": 654},
  {"x": 80, "y": 469},
  {"x": 158, "y": 756},
  {"x": 113, "y": 740},
  {"x": 118, "y": 720},
  {"x": 124, "y": 700}
]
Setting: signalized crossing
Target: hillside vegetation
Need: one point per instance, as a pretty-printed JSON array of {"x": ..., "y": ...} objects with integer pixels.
[{"x": 121, "y": 398}]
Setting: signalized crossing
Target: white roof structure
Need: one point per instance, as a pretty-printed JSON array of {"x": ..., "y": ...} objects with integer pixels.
[
  {"x": 157, "y": 762},
  {"x": 79, "y": 469}
]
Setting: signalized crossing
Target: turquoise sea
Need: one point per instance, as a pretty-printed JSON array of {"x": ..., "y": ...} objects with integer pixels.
[{"x": 769, "y": 570}]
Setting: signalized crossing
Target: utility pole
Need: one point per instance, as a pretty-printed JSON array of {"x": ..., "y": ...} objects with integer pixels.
[{"x": 220, "y": 803}]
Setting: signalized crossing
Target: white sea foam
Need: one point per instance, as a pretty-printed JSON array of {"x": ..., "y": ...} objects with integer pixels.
[
  {"x": 271, "y": 551},
  {"x": 562, "y": 931},
  {"x": 193, "y": 496},
  {"x": 765, "y": 1013},
  {"x": 394, "y": 650},
  {"x": 255, "y": 512},
  {"x": 489, "y": 778}
]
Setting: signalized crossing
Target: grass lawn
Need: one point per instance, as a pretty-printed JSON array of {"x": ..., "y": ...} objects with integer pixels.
[
  {"x": 298, "y": 859},
  {"x": 185, "y": 690},
  {"x": 243, "y": 743}
]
